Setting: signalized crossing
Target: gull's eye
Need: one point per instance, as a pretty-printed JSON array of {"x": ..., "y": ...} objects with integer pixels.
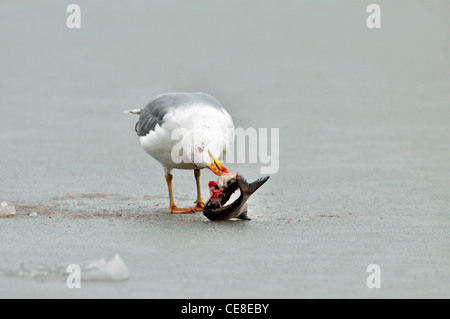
[{"x": 199, "y": 149}]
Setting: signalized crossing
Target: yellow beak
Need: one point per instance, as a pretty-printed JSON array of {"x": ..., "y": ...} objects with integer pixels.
[{"x": 216, "y": 167}]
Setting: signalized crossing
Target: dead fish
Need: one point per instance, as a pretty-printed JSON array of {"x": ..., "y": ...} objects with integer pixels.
[
  {"x": 221, "y": 190},
  {"x": 214, "y": 209}
]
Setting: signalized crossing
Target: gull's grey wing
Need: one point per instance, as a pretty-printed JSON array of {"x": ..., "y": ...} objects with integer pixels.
[{"x": 153, "y": 113}]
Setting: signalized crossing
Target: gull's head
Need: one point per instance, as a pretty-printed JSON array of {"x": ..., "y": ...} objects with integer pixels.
[
  {"x": 207, "y": 150},
  {"x": 207, "y": 156}
]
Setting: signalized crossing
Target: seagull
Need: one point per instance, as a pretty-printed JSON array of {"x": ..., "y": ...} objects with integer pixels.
[{"x": 185, "y": 131}]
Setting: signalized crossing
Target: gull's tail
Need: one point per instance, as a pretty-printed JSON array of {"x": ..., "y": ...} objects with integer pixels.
[{"x": 135, "y": 111}]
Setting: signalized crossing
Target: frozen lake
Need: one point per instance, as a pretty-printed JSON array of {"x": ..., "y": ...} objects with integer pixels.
[{"x": 364, "y": 175}]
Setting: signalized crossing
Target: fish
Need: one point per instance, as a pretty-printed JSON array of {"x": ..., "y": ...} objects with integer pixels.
[{"x": 221, "y": 192}]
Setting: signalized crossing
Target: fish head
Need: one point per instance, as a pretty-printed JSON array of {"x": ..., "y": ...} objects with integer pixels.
[{"x": 215, "y": 191}]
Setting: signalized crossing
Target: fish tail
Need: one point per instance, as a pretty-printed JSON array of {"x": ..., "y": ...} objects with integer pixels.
[{"x": 249, "y": 189}]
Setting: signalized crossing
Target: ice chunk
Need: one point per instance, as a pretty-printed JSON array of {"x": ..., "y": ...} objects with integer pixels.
[
  {"x": 7, "y": 210},
  {"x": 98, "y": 270},
  {"x": 102, "y": 270},
  {"x": 33, "y": 214}
]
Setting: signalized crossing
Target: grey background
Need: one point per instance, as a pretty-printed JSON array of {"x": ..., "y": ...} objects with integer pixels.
[{"x": 364, "y": 147}]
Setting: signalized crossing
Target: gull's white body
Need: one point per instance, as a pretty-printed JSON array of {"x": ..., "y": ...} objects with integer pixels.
[{"x": 191, "y": 128}]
